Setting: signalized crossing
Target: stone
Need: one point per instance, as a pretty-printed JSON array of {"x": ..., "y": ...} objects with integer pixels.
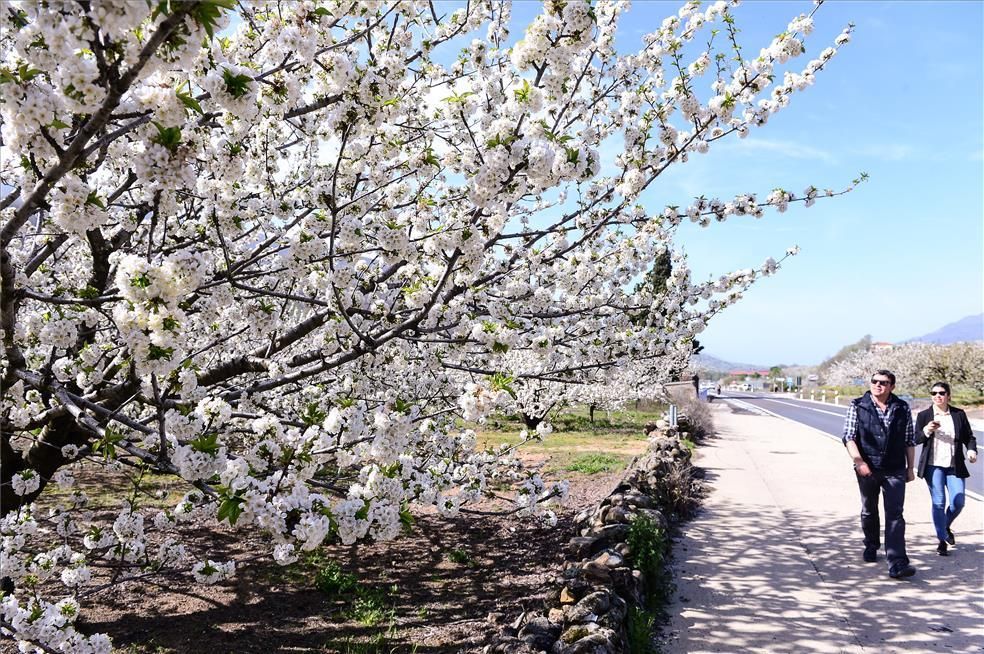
[
  {"x": 609, "y": 559},
  {"x": 574, "y": 634},
  {"x": 566, "y": 596},
  {"x": 580, "y": 547},
  {"x": 556, "y": 615},
  {"x": 597, "y": 602},
  {"x": 594, "y": 571},
  {"x": 616, "y": 515},
  {"x": 600, "y": 642},
  {"x": 540, "y": 633}
]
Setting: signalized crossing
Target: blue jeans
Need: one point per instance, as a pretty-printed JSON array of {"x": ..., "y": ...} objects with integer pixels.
[
  {"x": 891, "y": 487},
  {"x": 943, "y": 481}
]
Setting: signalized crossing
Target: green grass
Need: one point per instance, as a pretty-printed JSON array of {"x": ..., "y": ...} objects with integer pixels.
[
  {"x": 331, "y": 580},
  {"x": 592, "y": 464},
  {"x": 370, "y": 607},
  {"x": 461, "y": 556},
  {"x": 639, "y": 631}
]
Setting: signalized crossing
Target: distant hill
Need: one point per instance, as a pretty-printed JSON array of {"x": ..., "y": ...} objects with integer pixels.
[
  {"x": 713, "y": 364},
  {"x": 970, "y": 328}
]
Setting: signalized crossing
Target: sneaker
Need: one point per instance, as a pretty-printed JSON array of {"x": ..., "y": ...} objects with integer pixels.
[
  {"x": 901, "y": 571},
  {"x": 949, "y": 537},
  {"x": 870, "y": 555},
  {"x": 941, "y": 549}
]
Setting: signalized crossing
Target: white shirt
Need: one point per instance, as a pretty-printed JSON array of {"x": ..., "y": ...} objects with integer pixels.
[{"x": 942, "y": 456}]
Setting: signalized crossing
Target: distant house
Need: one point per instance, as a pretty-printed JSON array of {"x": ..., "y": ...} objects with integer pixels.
[{"x": 881, "y": 346}]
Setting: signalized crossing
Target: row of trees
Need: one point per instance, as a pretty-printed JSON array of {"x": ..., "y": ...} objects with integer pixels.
[
  {"x": 917, "y": 366},
  {"x": 281, "y": 259}
]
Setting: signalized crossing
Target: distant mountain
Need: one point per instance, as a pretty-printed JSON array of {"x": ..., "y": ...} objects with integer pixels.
[
  {"x": 713, "y": 364},
  {"x": 970, "y": 328}
]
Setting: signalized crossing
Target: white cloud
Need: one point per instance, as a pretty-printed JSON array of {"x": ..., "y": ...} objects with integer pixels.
[
  {"x": 789, "y": 149},
  {"x": 886, "y": 151}
]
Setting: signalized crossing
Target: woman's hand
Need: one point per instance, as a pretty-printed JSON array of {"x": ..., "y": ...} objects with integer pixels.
[{"x": 972, "y": 456}]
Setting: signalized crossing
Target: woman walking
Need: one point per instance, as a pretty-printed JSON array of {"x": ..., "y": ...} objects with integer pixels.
[{"x": 945, "y": 433}]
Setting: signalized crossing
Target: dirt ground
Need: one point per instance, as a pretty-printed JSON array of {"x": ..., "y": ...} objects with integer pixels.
[{"x": 443, "y": 588}]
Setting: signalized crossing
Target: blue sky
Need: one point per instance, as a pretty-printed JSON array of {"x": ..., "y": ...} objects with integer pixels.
[{"x": 898, "y": 257}]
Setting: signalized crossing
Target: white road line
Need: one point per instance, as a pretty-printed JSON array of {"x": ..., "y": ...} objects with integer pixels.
[{"x": 808, "y": 408}]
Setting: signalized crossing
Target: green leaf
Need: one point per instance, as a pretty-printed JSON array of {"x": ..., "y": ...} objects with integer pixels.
[
  {"x": 313, "y": 414},
  {"x": 157, "y": 353},
  {"x": 406, "y": 518},
  {"x": 208, "y": 12},
  {"x": 94, "y": 199},
  {"x": 230, "y": 509},
  {"x": 206, "y": 444},
  {"x": 27, "y": 73},
  {"x": 402, "y": 406},
  {"x": 458, "y": 99},
  {"x": 503, "y": 382},
  {"x": 188, "y": 101},
  {"x": 169, "y": 137},
  {"x": 500, "y": 348},
  {"x": 236, "y": 85},
  {"x": 59, "y": 124},
  {"x": 523, "y": 94},
  {"x": 107, "y": 444}
]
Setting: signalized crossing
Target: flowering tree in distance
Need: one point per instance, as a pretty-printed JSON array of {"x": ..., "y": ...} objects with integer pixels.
[
  {"x": 917, "y": 366},
  {"x": 279, "y": 250}
]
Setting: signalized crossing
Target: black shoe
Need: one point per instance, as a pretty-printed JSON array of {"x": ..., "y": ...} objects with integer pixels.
[
  {"x": 870, "y": 555},
  {"x": 941, "y": 549},
  {"x": 949, "y": 537},
  {"x": 901, "y": 571}
]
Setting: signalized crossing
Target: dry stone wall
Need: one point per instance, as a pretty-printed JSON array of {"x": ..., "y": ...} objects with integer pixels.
[{"x": 598, "y": 586}]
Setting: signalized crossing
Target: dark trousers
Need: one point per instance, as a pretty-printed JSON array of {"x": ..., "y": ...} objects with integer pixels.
[{"x": 892, "y": 489}]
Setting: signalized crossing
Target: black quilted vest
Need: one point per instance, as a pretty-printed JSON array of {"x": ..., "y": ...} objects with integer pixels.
[{"x": 882, "y": 450}]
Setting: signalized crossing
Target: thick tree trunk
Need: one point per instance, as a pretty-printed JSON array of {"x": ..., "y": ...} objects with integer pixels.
[{"x": 44, "y": 458}]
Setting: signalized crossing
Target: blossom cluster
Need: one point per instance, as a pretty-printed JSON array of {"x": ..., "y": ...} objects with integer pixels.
[{"x": 290, "y": 260}]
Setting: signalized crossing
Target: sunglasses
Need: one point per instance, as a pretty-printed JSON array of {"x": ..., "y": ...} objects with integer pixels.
[
  {"x": 880, "y": 382},
  {"x": 938, "y": 393}
]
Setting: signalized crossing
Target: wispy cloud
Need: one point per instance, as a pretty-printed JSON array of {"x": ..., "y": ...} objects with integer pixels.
[
  {"x": 885, "y": 151},
  {"x": 977, "y": 155},
  {"x": 789, "y": 149}
]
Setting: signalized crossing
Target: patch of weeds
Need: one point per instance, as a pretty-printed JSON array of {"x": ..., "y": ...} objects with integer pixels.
[
  {"x": 143, "y": 648},
  {"x": 380, "y": 643},
  {"x": 592, "y": 464},
  {"x": 648, "y": 546},
  {"x": 461, "y": 557},
  {"x": 639, "y": 631},
  {"x": 370, "y": 608},
  {"x": 331, "y": 580}
]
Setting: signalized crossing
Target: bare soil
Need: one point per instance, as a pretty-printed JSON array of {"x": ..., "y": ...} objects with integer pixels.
[{"x": 447, "y": 586}]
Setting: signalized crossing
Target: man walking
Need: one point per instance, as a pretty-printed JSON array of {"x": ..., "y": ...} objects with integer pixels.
[{"x": 879, "y": 437}]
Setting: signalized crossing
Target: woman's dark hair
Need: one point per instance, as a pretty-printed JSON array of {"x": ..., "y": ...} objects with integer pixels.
[{"x": 943, "y": 385}]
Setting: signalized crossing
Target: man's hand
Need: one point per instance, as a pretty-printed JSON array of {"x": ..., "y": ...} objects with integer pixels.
[
  {"x": 862, "y": 469},
  {"x": 972, "y": 456},
  {"x": 910, "y": 475}
]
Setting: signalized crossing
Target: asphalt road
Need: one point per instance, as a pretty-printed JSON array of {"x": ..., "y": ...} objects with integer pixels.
[{"x": 829, "y": 420}]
